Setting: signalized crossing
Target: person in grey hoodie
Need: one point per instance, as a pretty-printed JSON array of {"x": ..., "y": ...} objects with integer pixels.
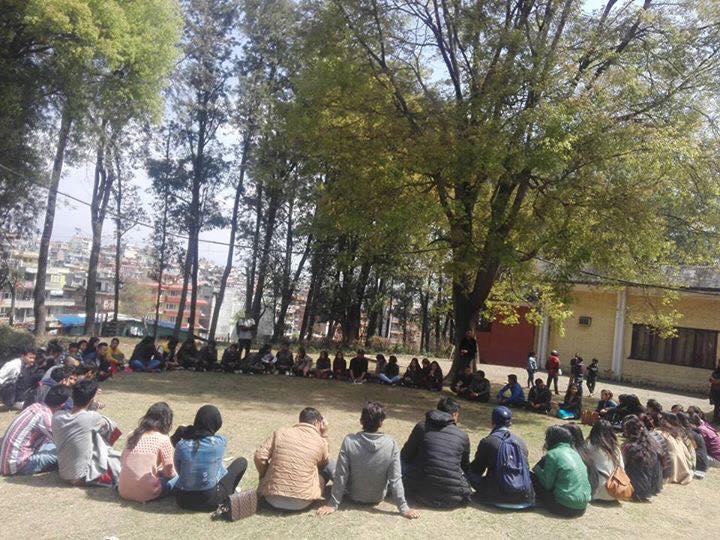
[{"x": 369, "y": 463}]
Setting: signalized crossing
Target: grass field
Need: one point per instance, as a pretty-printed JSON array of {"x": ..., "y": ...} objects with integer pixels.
[{"x": 252, "y": 406}]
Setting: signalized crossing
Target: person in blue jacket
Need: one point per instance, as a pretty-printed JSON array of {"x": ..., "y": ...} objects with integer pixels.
[{"x": 512, "y": 393}]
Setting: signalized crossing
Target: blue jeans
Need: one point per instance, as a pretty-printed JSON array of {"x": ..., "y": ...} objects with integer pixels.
[
  {"x": 138, "y": 365},
  {"x": 168, "y": 485},
  {"x": 45, "y": 459},
  {"x": 387, "y": 380}
]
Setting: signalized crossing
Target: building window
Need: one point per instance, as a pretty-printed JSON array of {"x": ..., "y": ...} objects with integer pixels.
[{"x": 692, "y": 347}]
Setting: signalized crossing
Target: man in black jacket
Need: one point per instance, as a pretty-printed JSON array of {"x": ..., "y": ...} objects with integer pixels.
[
  {"x": 539, "y": 398},
  {"x": 502, "y": 482},
  {"x": 435, "y": 459}
]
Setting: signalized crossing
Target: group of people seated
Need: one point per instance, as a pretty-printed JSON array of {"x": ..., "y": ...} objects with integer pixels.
[
  {"x": 433, "y": 468},
  {"x": 59, "y": 428}
]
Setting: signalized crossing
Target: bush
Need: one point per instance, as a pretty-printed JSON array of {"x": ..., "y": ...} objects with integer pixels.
[{"x": 13, "y": 342}]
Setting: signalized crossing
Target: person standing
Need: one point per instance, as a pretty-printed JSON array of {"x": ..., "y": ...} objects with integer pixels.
[
  {"x": 244, "y": 329},
  {"x": 591, "y": 375},
  {"x": 532, "y": 368},
  {"x": 553, "y": 370},
  {"x": 468, "y": 351}
]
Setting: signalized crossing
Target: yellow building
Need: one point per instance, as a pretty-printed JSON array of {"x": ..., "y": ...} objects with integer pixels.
[{"x": 607, "y": 324}]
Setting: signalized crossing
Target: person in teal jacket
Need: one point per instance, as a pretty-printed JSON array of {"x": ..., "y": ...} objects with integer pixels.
[{"x": 560, "y": 478}]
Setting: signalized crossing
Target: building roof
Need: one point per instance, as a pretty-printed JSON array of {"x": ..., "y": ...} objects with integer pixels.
[{"x": 689, "y": 278}]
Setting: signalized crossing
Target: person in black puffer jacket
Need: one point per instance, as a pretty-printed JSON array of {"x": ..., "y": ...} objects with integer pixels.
[{"x": 436, "y": 458}]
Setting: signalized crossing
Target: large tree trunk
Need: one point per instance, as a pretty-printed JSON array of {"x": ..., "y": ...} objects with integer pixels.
[
  {"x": 316, "y": 276},
  {"x": 273, "y": 206},
  {"x": 375, "y": 311},
  {"x": 13, "y": 299},
  {"x": 118, "y": 243},
  {"x": 187, "y": 269},
  {"x": 250, "y": 285},
  {"x": 194, "y": 286},
  {"x": 289, "y": 292},
  {"x": 104, "y": 179},
  {"x": 233, "y": 232},
  {"x": 353, "y": 315},
  {"x": 161, "y": 269},
  {"x": 41, "y": 277}
]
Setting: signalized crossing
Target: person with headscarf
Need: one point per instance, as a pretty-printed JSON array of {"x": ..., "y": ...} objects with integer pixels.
[{"x": 203, "y": 482}]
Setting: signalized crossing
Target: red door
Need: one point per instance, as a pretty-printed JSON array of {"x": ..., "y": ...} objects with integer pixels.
[{"x": 506, "y": 345}]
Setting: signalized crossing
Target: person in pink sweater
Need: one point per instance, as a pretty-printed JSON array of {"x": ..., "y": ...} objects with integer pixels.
[{"x": 148, "y": 471}]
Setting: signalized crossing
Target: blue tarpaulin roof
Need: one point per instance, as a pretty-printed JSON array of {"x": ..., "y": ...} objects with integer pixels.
[{"x": 71, "y": 320}]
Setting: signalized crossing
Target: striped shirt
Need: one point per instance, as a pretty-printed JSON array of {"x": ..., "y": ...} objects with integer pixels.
[{"x": 25, "y": 435}]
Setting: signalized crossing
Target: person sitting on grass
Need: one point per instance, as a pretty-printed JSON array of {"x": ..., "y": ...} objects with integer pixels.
[
  {"x": 267, "y": 358},
  {"x": 13, "y": 375},
  {"x": 143, "y": 357},
  {"x": 606, "y": 403},
  {"x": 368, "y": 464},
  {"x": 284, "y": 359},
  {"x": 539, "y": 398},
  {"x": 254, "y": 363},
  {"x": 294, "y": 465},
  {"x": 168, "y": 354},
  {"x": 27, "y": 446},
  {"x": 231, "y": 358},
  {"x": 462, "y": 382},
  {"x": 380, "y": 363},
  {"x": 571, "y": 407},
  {"x": 560, "y": 478},
  {"x": 605, "y": 455},
  {"x": 413, "y": 376},
  {"x": 203, "y": 482},
  {"x": 358, "y": 368},
  {"x": 339, "y": 367},
  {"x": 115, "y": 356},
  {"x": 434, "y": 378},
  {"x": 303, "y": 364},
  {"x": 391, "y": 374},
  {"x": 72, "y": 358},
  {"x": 187, "y": 354},
  {"x": 512, "y": 393},
  {"x": 654, "y": 410},
  {"x": 709, "y": 435},
  {"x": 323, "y": 367},
  {"x": 698, "y": 445},
  {"x": 500, "y": 472},
  {"x": 104, "y": 369},
  {"x": 436, "y": 457},
  {"x": 641, "y": 456},
  {"x": 479, "y": 389},
  {"x": 207, "y": 357},
  {"x": 148, "y": 470},
  {"x": 681, "y": 459},
  {"x": 89, "y": 355},
  {"x": 84, "y": 440}
]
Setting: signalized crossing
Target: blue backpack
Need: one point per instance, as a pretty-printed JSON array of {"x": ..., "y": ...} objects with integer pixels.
[{"x": 511, "y": 468}]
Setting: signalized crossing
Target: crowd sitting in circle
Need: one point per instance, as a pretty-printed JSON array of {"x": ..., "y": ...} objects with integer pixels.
[{"x": 60, "y": 428}]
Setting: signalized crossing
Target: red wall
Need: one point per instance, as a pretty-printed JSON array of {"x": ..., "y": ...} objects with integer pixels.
[{"x": 506, "y": 345}]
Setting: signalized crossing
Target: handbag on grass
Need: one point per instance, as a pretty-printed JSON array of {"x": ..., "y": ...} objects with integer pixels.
[
  {"x": 243, "y": 504},
  {"x": 589, "y": 417},
  {"x": 619, "y": 485}
]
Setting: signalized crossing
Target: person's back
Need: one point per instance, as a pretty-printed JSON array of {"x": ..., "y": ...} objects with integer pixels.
[
  {"x": 72, "y": 432},
  {"x": 144, "y": 465},
  {"x": 566, "y": 474},
  {"x": 680, "y": 459},
  {"x": 289, "y": 463},
  {"x": 437, "y": 454},
  {"x": 27, "y": 432},
  {"x": 499, "y": 472},
  {"x": 370, "y": 460},
  {"x": 712, "y": 440},
  {"x": 199, "y": 462}
]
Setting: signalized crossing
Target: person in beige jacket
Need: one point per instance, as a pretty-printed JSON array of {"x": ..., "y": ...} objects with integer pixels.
[{"x": 294, "y": 465}]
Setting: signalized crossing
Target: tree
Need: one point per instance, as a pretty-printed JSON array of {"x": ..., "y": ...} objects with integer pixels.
[
  {"x": 200, "y": 103},
  {"x": 541, "y": 130},
  {"x": 77, "y": 44}
]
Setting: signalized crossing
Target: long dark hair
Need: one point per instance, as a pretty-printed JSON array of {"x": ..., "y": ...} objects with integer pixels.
[
  {"x": 602, "y": 436},
  {"x": 644, "y": 448},
  {"x": 158, "y": 418}
]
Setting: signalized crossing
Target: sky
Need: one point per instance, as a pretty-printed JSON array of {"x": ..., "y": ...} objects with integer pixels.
[{"x": 73, "y": 218}]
